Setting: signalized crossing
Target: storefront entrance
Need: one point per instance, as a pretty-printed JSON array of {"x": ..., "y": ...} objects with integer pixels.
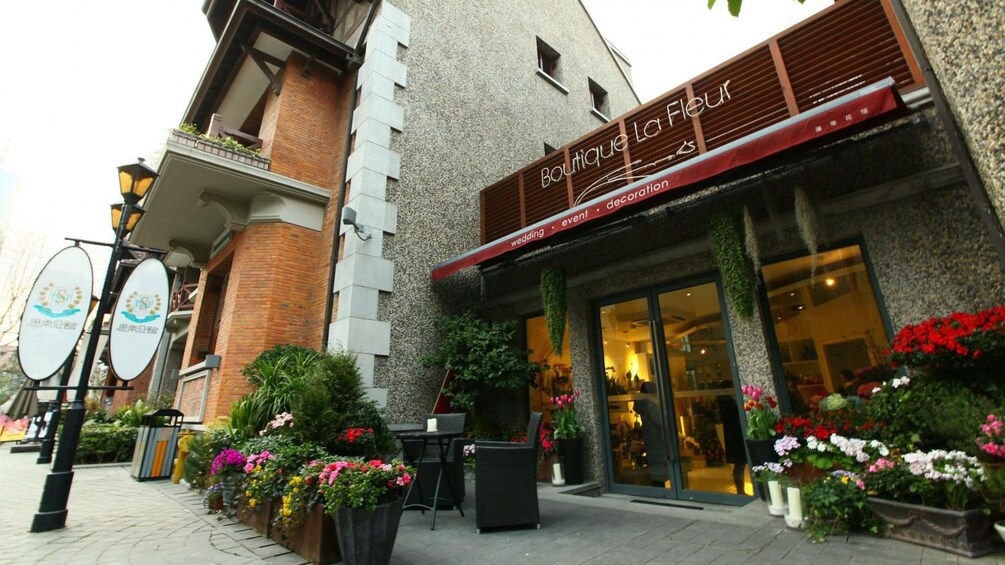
[{"x": 672, "y": 410}]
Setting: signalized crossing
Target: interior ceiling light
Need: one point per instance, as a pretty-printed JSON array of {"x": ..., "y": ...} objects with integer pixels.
[{"x": 829, "y": 281}]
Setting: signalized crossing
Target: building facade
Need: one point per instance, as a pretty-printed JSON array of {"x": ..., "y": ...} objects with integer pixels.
[
  {"x": 399, "y": 112},
  {"x": 824, "y": 150}
]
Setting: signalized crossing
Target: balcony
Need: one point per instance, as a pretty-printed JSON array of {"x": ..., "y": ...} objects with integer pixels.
[
  {"x": 255, "y": 38},
  {"x": 210, "y": 186}
]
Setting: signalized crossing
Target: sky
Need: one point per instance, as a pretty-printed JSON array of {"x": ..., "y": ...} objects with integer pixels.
[{"x": 89, "y": 86}]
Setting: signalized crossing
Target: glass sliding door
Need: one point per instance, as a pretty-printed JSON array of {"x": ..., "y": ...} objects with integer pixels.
[
  {"x": 638, "y": 437},
  {"x": 709, "y": 435},
  {"x": 672, "y": 408}
]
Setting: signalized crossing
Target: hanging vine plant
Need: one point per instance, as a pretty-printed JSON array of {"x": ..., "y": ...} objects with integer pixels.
[
  {"x": 726, "y": 233},
  {"x": 806, "y": 219},
  {"x": 553, "y": 298}
]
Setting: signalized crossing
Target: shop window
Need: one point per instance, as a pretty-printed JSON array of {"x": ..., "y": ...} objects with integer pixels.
[
  {"x": 828, "y": 329},
  {"x": 598, "y": 100},
  {"x": 556, "y": 373}
]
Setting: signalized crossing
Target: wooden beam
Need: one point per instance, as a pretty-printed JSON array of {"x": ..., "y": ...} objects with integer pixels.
[{"x": 261, "y": 59}]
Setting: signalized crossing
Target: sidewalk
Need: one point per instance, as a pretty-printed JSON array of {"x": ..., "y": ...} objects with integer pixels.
[{"x": 114, "y": 519}]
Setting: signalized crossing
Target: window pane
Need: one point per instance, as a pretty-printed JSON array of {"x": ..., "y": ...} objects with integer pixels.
[
  {"x": 828, "y": 329},
  {"x": 556, "y": 375}
]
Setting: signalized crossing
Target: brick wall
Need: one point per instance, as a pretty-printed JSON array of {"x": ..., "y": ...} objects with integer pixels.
[
  {"x": 267, "y": 303},
  {"x": 304, "y": 127}
]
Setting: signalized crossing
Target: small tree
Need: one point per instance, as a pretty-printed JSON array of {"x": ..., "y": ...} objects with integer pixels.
[{"x": 482, "y": 355}]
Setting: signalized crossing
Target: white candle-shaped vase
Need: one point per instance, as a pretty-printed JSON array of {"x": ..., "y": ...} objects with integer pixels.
[
  {"x": 431, "y": 425},
  {"x": 556, "y": 475},
  {"x": 794, "y": 512},
  {"x": 776, "y": 504}
]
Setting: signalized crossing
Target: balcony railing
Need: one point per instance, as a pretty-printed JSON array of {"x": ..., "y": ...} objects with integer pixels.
[
  {"x": 184, "y": 299},
  {"x": 841, "y": 49},
  {"x": 225, "y": 142}
]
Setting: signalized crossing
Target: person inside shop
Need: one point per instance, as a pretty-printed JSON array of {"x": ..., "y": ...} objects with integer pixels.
[
  {"x": 648, "y": 408},
  {"x": 732, "y": 432}
]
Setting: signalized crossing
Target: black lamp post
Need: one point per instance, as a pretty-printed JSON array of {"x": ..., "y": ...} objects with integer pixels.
[{"x": 134, "y": 182}]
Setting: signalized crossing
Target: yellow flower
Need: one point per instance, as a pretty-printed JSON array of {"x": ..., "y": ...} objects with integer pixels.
[
  {"x": 845, "y": 479},
  {"x": 252, "y": 502}
]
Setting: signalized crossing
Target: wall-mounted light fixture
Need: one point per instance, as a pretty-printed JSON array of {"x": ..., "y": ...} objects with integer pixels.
[{"x": 349, "y": 219}]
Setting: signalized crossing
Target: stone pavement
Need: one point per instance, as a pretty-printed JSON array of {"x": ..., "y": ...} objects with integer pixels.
[{"x": 114, "y": 519}]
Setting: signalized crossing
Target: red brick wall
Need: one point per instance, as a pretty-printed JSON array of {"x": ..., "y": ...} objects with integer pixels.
[
  {"x": 303, "y": 128},
  {"x": 267, "y": 303}
]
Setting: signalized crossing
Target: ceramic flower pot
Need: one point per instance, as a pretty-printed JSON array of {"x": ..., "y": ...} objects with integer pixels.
[{"x": 1000, "y": 528}]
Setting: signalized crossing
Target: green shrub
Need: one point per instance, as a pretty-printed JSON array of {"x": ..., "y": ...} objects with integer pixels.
[
  {"x": 482, "y": 355},
  {"x": 105, "y": 443},
  {"x": 837, "y": 504},
  {"x": 927, "y": 414},
  {"x": 279, "y": 376},
  {"x": 333, "y": 400}
]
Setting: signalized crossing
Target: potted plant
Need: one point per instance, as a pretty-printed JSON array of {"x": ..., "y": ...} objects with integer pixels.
[
  {"x": 301, "y": 523},
  {"x": 771, "y": 476},
  {"x": 931, "y": 498},
  {"x": 482, "y": 358},
  {"x": 228, "y": 468},
  {"x": 567, "y": 432},
  {"x": 365, "y": 500},
  {"x": 761, "y": 421},
  {"x": 837, "y": 503},
  {"x": 962, "y": 345}
]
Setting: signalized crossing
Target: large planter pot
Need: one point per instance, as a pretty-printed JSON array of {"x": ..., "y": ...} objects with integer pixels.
[
  {"x": 315, "y": 540},
  {"x": 365, "y": 537},
  {"x": 258, "y": 518},
  {"x": 761, "y": 451},
  {"x": 571, "y": 451},
  {"x": 967, "y": 533}
]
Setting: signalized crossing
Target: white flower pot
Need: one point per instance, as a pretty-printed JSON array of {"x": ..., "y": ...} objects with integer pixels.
[
  {"x": 776, "y": 502},
  {"x": 794, "y": 517}
]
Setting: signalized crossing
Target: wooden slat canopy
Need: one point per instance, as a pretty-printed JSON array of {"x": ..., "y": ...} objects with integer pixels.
[{"x": 839, "y": 50}]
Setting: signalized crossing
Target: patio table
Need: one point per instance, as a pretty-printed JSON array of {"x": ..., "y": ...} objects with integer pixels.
[{"x": 442, "y": 441}]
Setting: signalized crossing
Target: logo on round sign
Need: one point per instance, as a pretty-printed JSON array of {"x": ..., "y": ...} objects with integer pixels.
[
  {"x": 142, "y": 308},
  {"x": 59, "y": 301}
]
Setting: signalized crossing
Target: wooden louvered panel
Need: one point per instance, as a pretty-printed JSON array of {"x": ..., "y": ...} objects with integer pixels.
[
  {"x": 609, "y": 175},
  {"x": 501, "y": 206},
  {"x": 663, "y": 150},
  {"x": 756, "y": 102},
  {"x": 861, "y": 49},
  {"x": 543, "y": 201}
]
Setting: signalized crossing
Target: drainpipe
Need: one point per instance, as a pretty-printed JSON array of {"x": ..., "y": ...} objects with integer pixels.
[
  {"x": 330, "y": 298},
  {"x": 977, "y": 189}
]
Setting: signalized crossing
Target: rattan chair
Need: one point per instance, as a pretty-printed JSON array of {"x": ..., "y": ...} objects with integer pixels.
[
  {"x": 506, "y": 481},
  {"x": 429, "y": 464}
]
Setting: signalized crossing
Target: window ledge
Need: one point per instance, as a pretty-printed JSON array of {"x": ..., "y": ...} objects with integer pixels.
[
  {"x": 599, "y": 116},
  {"x": 552, "y": 81}
]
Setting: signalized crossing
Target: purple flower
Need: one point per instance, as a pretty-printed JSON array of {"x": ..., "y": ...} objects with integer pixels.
[
  {"x": 785, "y": 444},
  {"x": 228, "y": 460}
]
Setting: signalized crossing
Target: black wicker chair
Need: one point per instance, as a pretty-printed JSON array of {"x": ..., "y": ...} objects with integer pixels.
[
  {"x": 429, "y": 464},
  {"x": 506, "y": 481}
]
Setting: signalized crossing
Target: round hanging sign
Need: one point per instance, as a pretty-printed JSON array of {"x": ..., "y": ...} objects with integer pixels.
[
  {"x": 138, "y": 319},
  {"x": 55, "y": 313}
]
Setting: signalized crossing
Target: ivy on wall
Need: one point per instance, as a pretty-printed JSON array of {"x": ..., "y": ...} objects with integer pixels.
[
  {"x": 726, "y": 232},
  {"x": 553, "y": 298}
]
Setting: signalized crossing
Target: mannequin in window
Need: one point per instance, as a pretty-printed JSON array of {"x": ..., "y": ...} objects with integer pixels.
[{"x": 648, "y": 408}]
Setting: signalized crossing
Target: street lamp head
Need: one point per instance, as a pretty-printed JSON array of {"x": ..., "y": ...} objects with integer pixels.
[
  {"x": 134, "y": 216},
  {"x": 135, "y": 180}
]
